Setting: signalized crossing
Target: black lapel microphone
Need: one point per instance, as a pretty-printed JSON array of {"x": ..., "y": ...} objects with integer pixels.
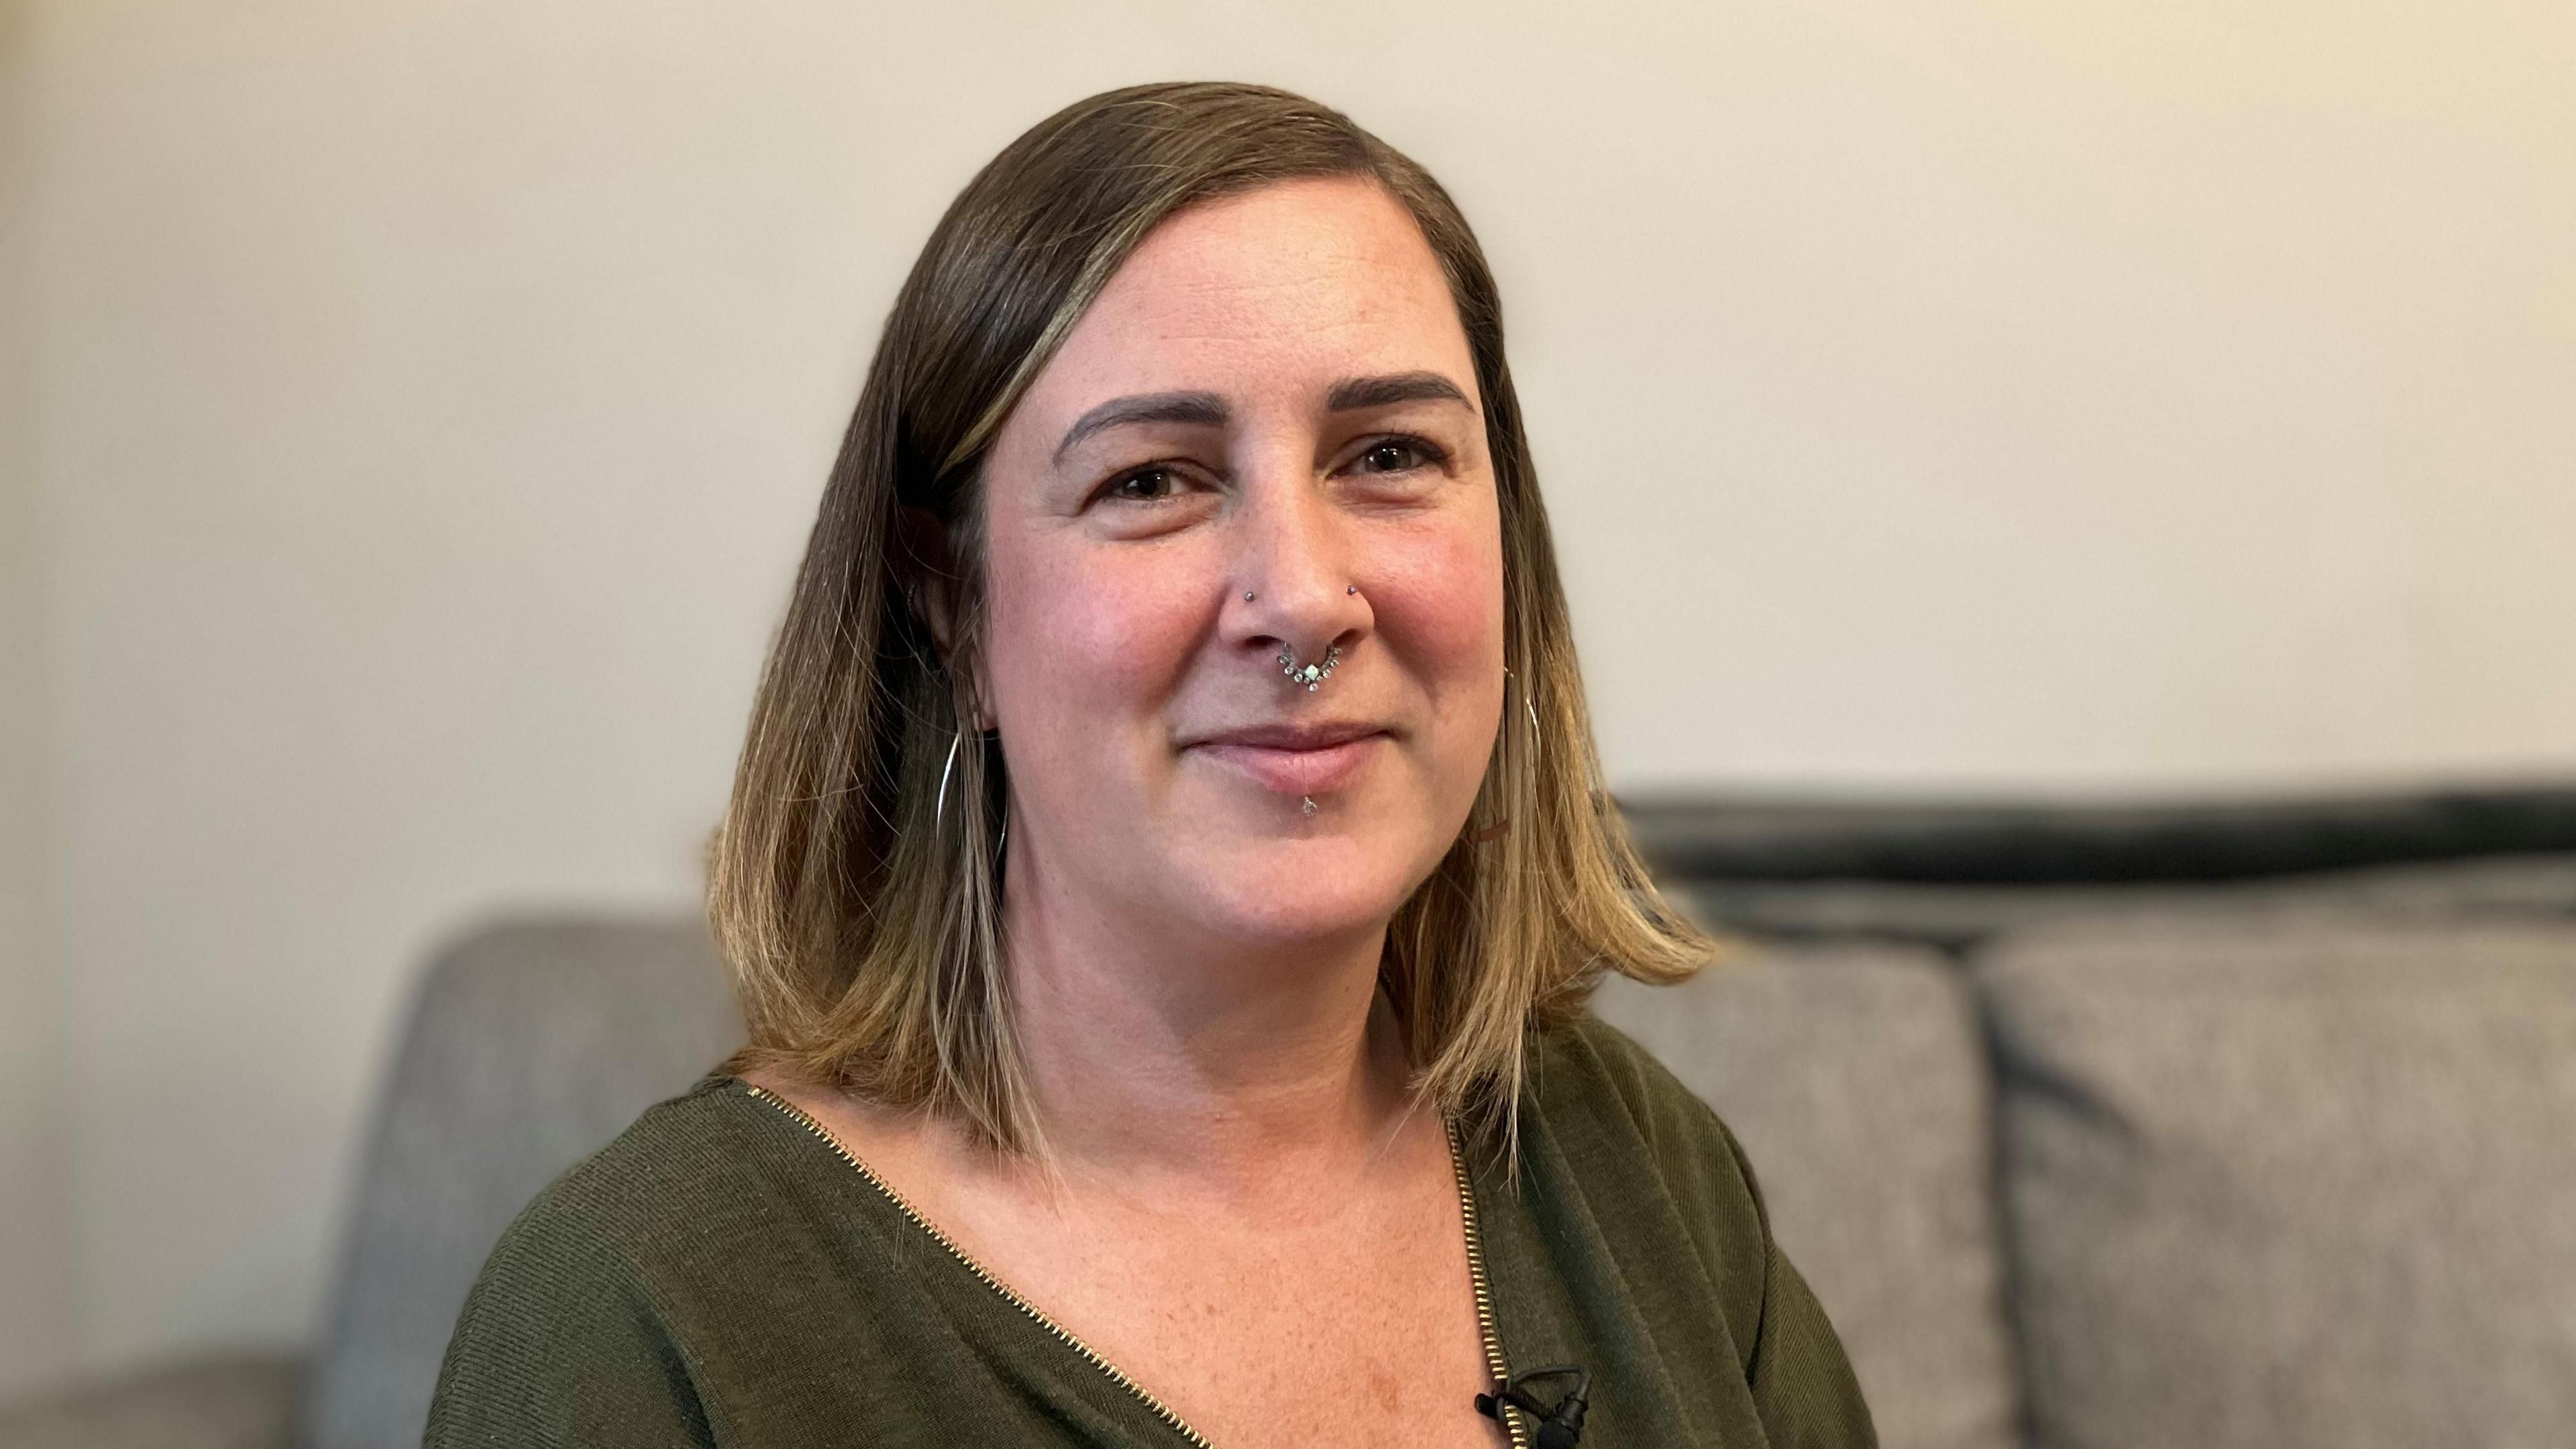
[{"x": 1560, "y": 1427}]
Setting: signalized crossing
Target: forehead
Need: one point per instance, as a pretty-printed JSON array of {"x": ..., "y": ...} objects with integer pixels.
[{"x": 1290, "y": 286}]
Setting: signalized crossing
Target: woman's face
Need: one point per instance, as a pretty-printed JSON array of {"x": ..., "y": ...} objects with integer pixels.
[{"x": 1265, "y": 434}]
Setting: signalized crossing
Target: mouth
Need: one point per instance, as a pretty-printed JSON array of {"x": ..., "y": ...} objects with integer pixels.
[{"x": 1295, "y": 759}]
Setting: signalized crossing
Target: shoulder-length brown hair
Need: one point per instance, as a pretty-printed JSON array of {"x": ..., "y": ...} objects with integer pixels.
[{"x": 861, "y": 922}]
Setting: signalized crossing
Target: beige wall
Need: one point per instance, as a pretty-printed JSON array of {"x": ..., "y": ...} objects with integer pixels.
[
  {"x": 435, "y": 395},
  {"x": 38, "y": 1334}
]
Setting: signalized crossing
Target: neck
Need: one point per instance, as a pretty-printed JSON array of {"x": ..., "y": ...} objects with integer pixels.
[{"x": 1162, "y": 1055}]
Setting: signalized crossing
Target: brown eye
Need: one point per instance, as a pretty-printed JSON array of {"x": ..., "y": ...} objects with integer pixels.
[
  {"x": 1144, "y": 486},
  {"x": 1395, "y": 455}
]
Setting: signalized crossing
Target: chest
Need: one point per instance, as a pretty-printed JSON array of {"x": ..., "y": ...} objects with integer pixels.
[
  {"x": 1259, "y": 1343},
  {"x": 1264, "y": 1323},
  {"x": 1365, "y": 1330}
]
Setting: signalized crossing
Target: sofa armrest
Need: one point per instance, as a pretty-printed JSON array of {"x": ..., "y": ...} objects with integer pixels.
[{"x": 231, "y": 1401}]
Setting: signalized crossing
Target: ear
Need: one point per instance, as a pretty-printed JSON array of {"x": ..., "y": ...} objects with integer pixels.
[
  {"x": 929, "y": 570},
  {"x": 925, "y": 565}
]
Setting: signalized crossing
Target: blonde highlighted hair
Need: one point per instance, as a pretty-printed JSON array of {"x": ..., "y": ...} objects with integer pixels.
[{"x": 861, "y": 923}]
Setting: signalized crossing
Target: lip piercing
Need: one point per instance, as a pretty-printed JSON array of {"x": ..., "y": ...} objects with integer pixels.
[{"x": 1310, "y": 675}]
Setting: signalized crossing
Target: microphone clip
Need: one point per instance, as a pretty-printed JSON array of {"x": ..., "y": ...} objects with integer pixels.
[{"x": 1560, "y": 1426}]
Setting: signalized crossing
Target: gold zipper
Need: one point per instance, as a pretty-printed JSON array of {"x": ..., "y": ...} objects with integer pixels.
[
  {"x": 1494, "y": 1362},
  {"x": 1466, "y": 1209}
]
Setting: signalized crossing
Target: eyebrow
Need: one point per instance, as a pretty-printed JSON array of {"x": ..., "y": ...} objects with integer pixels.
[
  {"x": 1207, "y": 410},
  {"x": 1353, "y": 393},
  {"x": 1197, "y": 409}
]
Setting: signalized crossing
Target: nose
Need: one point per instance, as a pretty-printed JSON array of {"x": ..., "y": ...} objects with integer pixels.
[{"x": 1297, "y": 588}]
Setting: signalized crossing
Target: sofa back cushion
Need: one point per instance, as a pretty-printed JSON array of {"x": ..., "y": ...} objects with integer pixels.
[
  {"x": 1963, "y": 916},
  {"x": 1854, "y": 1077},
  {"x": 531, "y": 1045},
  {"x": 2287, "y": 1179}
]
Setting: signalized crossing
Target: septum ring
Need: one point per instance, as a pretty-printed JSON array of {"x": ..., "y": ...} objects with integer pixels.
[{"x": 1310, "y": 675}]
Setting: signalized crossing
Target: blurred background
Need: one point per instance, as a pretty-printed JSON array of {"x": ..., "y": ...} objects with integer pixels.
[{"x": 411, "y": 413}]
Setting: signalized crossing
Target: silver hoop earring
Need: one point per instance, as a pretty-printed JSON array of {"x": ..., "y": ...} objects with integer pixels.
[
  {"x": 939, "y": 815},
  {"x": 1528, "y": 704},
  {"x": 1310, "y": 675}
]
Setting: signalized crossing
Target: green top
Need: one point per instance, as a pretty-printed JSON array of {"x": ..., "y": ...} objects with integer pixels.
[{"x": 718, "y": 1275}]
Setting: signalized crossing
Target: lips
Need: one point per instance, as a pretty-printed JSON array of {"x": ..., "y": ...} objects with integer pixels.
[{"x": 1295, "y": 760}]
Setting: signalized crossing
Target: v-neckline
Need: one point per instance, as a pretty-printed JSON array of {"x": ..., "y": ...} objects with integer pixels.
[{"x": 1497, "y": 1366}]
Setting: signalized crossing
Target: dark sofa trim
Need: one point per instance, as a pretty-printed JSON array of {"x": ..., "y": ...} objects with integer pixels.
[{"x": 1968, "y": 843}]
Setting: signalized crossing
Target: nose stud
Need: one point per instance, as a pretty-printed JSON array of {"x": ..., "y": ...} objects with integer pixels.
[
  {"x": 1248, "y": 595},
  {"x": 1310, "y": 675}
]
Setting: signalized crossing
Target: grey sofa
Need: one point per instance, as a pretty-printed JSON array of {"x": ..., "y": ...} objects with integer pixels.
[{"x": 2177, "y": 1126}]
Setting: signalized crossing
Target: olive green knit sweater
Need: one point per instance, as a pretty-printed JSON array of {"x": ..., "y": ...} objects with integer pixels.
[{"x": 720, "y": 1276}]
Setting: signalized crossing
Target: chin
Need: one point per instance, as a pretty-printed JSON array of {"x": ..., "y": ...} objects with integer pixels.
[{"x": 1286, "y": 891}]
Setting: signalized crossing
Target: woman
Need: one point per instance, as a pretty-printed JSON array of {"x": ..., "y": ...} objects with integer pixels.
[{"x": 1163, "y": 880}]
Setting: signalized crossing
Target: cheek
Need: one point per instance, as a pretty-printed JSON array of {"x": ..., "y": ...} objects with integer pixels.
[
  {"x": 1437, "y": 592},
  {"x": 1439, "y": 604},
  {"x": 1083, "y": 645}
]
